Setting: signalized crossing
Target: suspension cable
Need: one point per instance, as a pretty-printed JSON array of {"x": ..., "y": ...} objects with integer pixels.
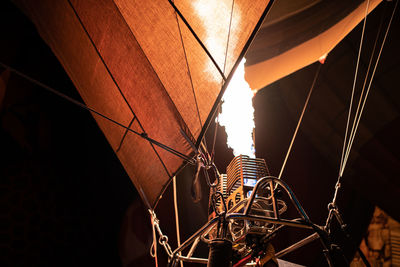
[
  {"x": 76, "y": 102},
  {"x": 163, "y": 239},
  {"x": 347, "y": 147},
  {"x": 153, "y": 247},
  {"x": 300, "y": 120},
  {"x": 215, "y": 132},
  {"x": 358, "y": 118},
  {"x": 354, "y": 86},
  {"x": 178, "y": 233},
  {"x": 363, "y": 88}
]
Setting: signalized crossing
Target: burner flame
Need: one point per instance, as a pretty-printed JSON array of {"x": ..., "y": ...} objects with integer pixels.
[{"x": 237, "y": 115}]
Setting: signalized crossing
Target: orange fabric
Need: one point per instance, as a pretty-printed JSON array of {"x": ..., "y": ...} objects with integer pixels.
[
  {"x": 127, "y": 59},
  {"x": 270, "y": 58}
]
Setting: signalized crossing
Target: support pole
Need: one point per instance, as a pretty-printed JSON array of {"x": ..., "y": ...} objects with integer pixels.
[{"x": 220, "y": 254}]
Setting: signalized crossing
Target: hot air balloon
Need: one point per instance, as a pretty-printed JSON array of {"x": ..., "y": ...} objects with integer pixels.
[{"x": 115, "y": 52}]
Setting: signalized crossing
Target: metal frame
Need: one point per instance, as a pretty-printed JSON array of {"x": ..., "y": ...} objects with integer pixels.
[{"x": 302, "y": 222}]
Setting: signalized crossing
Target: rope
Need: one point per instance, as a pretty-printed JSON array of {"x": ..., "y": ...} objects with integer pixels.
[
  {"x": 333, "y": 209},
  {"x": 215, "y": 133},
  {"x": 71, "y": 100},
  {"x": 300, "y": 120},
  {"x": 354, "y": 86},
  {"x": 163, "y": 240},
  {"x": 357, "y": 121},
  {"x": 345, "y": 142},
  {"x": 153, "y": 248},
  {"x": 178, "y": 235},
  {"x": 357, "y": 117}
]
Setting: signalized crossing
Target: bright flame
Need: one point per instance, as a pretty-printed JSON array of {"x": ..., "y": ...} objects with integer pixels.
[
  {"x": 237, "y": 114},
  {"x": 215, "y": 18},
  {"x": 237, "y": 110}
]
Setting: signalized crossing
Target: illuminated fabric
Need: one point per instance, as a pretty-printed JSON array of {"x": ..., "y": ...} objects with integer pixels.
[{"x": 137, "y": 63}]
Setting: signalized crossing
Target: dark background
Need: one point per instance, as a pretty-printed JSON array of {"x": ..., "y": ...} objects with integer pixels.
[
  {"x": 66, "y": 200},
  {"x": 63, "y": 191}
]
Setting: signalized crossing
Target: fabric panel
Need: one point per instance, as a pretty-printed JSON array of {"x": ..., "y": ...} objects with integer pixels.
[
  {"x": 63, "y": 33},
  {"x": 263, "y": 67}
]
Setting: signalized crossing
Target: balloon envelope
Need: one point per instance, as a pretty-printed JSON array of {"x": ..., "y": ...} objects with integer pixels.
[
  {"x": 298, "y": 33},
  {"x": 138, "y": 63}
]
